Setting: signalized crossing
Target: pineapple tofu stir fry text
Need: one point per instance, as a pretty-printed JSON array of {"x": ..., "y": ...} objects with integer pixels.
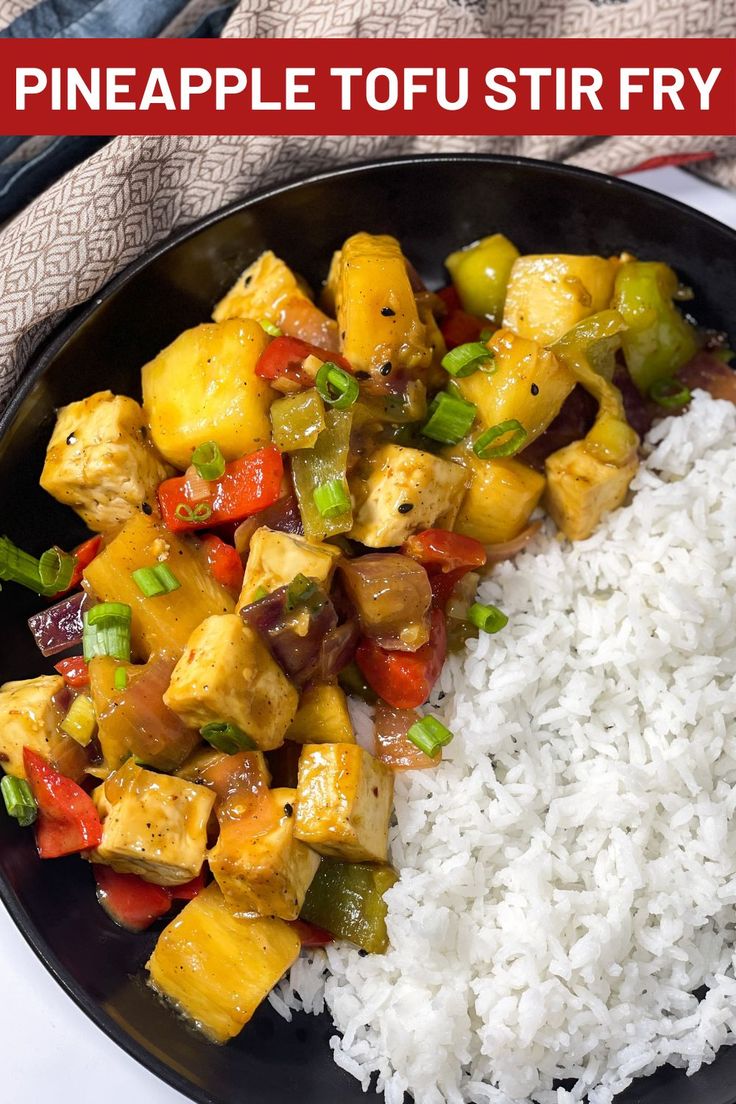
[{"x": 297, "y": 518}]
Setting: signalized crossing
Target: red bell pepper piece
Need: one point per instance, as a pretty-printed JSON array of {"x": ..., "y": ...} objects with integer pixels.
[
  {"x": 405, "y": 679},
  {"x": 450, "y": 298},
  {"x": 225, "y": 563},
  {"x": 189, "y": 890},
  {"x": 446, "y": 557},
  {"x": 310, "y": 935},
  {"x": 283, "y": 358},
  {"x": 459, "y": 327},
  {"x": 248, "y": 485},
  {"x": 83, "y": 556},
  {"x": 128, "y": 900},
  {"x": 67, "y": 818},
  {"x": 74, "y": 671}
]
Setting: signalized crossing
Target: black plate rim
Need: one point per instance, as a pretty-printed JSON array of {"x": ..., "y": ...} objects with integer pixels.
[{"x": 65, "y": 329}]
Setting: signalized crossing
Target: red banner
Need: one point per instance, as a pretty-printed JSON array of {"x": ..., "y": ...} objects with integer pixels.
[{"x": 368, "y": 86}]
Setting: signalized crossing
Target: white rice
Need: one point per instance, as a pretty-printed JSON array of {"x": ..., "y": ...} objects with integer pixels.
[{"x": 568, "y": 875}]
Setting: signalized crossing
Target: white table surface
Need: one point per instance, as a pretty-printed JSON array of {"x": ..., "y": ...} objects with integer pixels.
[{"x": 50, "y": 1050}]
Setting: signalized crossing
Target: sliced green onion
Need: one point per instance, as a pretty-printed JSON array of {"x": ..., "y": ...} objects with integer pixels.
[
  {"x": 226, "y": 737},
  {"x": 19, "y": 800},
  {"x": 486, "y": 450},
  {"x": 670, "y": 393},
  {"x": 463, "y": 360},
  {"x": 106, "y": 631},
  {"x": 299, "y": 591},
  {"x": 201, "y": 512},
  {"x": 81, "y": 721},
  {"x": 18, "y": 566},
  {"x": 120, "y": 678},
  {"x": 56, "y": 569},
  {"x": 450, "y": 419},
  {"x": 488, "y": 618},
  {"x": 331, "y": 499},
  {"x": 152, "y": 581},
  {"x": 336, "y": 386},
  {"x": 269, "y": 328},
  {"x": 429, "y": 735},
  {"x": 208, "y": 460}
]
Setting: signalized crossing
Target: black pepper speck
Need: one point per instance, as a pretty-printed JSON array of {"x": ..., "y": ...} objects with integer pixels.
[
  {"x": 71, "y": 439},
  {"x": 535, "y": 389},
  {"x": 148, "y": 510},
  {"x": 405, "y": 507},
  {"x": 387, "y": 312},
  {"x": 385, "y": 369},
  {"x": 288, "y": 809}
]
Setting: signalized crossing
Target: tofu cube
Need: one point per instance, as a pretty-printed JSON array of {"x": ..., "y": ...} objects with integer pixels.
[
  {"x": 259, "y": 865},
  {"x": 581, "y": 488},
  {"x": 215, "y": 967},
  {"x": 502, "y": 496},
  {"x": 400, "y": 476},
  {"x": 227, "y": 674},
  {"x": 322, "y": 717},
  {"x": 344, "y": 802},
  {"x": 101, "y": 462},
  {"x": 154, "y": 825},
  {"x": 275, "y": 558},
  {"x": 548, "y": 294},
  {"x": 30, "y": 715}
]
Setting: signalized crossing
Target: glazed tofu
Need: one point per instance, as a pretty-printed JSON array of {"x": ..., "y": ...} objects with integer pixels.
[
  {"x": 215, "y": 967},
  {"x": 259, "y": 864},
  {"x": 227, "y": 674},
  {"x": 582, "y": 488},
  {"x": 549, "y": 294},
  {"x": 322, "y": 717},
  {"x": 154, "y": 825},
  {"x": 275, "y": 558},
  {"x": 344, "y": 802},
  {"x": 30, "y": 714},
  {"x": 100, "y": 461},
  {"x": 399, "y": 477}
]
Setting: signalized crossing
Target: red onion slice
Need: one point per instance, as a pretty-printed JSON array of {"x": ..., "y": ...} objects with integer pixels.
[{"x": 59, "y": 627}]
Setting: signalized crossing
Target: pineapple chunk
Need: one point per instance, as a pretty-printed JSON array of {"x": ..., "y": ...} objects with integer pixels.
[
  {"x": 216, "y": 967},
  {"x": 203, "y": 387},
  {"x": 154, "y": 825},
  {"x": 30, "y": 715},
  {"x": 376, "y": 309},
  {"x": 105, "y": 696},
  {"x": 259, "y": 864},
  {"x": 526, "y": 383},
  {"x": 275, "y": 558},
  {"x": 501, "y": 497},
  {"x": 344, "y": 802},
  {"x": 399, "y": 475},
  {"x": 322, "y": 717},
  {"x": 162, "y": 624},
  {"x": 227, "y": 674},
  {"x": 581, "y": 488},
  {"x": 549, "y": 294},
  {"x": 100, "y": 462}
]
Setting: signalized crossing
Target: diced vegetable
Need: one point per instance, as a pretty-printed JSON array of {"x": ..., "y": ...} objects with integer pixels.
[
  {"x": 406, "y": 489},
  {"x": 226, "y": 674},
  {"x": 489, "y": 619},
  {"x": 276, "y": 558},
  {"x": 290, "y": 364},
  {"x": 501, "y": 497},
  {"x": 162, "y": 625},
  {"x": 203, "y": 387},
  {"x": 450, "y": 419},
  {"x": 527, "y": 384},
  {"x": 67, "y": 819},
  {"x": 393, "y": 746},
  {"x": 128, "y": 900},
  {"x": 154, "y": 825},
  {"x": 83, "y": 555},
  {"x": 216, "y": 967},
  {"x": 549, "y": 294},
  {"x": 59, "y": 627},
  {"x": 336, "y": 386},
  {"x": 297, "y": 420},
  {"x": 310, "y": 935},
  {"x": 106, "y": 630},
  {"x": 657, "y": 340},
  {"x": 112, "y": 729},
  {"x": 346, "y": 899},
  {"x": 224, "y": 562},
  {"x": 226, "y": 737},
  {"x": 429, "y": 735},
  {"x": 405, "y": 679},
  {"x": 74, "y": 671},
  {"x": 208, "y": 460},
  {"x": 392, "y": 597},
  {"x": 259, "y": 864},
  {"x": 322, "y": 717},
  {"x": 31, "y": 711},
  {"x": 80, "y": 722},
  {"x": 249, "y": 484},
  {"x": 100, "y": 461},
  {"x": 19, "y": 800},
  {"x": 447, "y": 558},
  {"x": 316, "y": 467},
  {"x": 480, "y": 273},
  {"x": 712, "y": 374},
  {"x": 152, "y": 581},
  {"x": 344, "y": 802},
  {"x": 297, "y": 638}
]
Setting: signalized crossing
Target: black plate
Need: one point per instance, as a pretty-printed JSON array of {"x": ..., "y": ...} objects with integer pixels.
[{"x": 433, "y": 205}]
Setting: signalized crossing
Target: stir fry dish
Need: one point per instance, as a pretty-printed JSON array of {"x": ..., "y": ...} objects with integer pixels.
[{"x": 295, "y": 519}]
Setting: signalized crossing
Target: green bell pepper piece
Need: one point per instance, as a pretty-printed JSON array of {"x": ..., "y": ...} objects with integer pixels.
[
  {"x": 658, "y": 340},
  {"x": 312, "y": 467},
  {"x": 480, "y": 273},
  {"x": 346, "y": 899},
  {"x": 297, "y": 420}
]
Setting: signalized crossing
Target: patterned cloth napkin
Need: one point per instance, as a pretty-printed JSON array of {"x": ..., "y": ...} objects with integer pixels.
[{"x": 134, "y": 191}]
